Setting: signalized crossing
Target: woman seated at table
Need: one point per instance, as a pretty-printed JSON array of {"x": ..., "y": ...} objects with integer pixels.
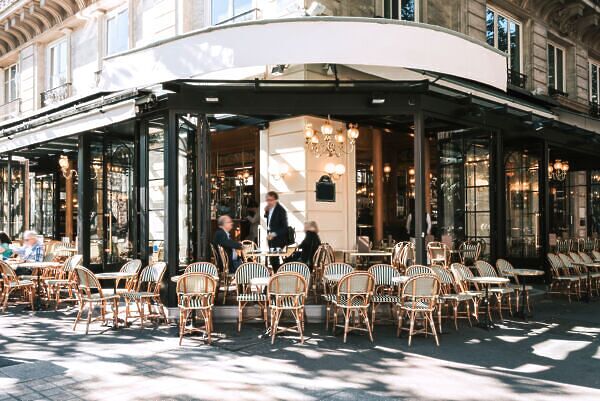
[
  {"x": 5, "y": 251},
  {"x": 308, "y": 246}
]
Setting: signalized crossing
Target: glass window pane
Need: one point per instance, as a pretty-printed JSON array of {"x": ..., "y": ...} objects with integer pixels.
[
  {"x": 551, "y": 67},
  {"x": 559, "y": 70},
  {"x": 241, "y": 6},
  {"x": 489, "y": 23},
  {"x": 156, "y": 187},
  {"x": 221, "y": 10},
  {"x": 502, "y": 34},
  {"x": 515, "y": 47},
  {"x": 594, "y": 85},
  {"x": 407, "y": 12}
]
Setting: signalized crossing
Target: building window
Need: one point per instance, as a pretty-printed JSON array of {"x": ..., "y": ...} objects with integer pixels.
[
  {"x": 556, "y": 68},
  {"x": 231, "y": 11},
  {"x": 117, "y": 32},
  {"x": 594, "y": 82},
  {"x": 504, "y": 33},
  {"x": 57, "y": 64},
  {"x": 11, "y": 91},
  {"x": 405, "y": 10}
]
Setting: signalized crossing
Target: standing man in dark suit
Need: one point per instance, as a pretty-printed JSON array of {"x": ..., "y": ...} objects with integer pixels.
[
  {"x": 223, "y": 238},
  {"x": 277, "y": 225}
]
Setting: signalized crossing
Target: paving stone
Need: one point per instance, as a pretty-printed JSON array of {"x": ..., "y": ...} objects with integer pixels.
[{"x": 34, "y": 370}]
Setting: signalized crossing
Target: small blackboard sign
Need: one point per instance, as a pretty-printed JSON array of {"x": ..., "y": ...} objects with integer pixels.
[{"x": 325, "y": 189}]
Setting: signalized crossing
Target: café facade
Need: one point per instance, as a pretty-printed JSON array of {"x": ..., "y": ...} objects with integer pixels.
[{"x": 381, "y": 111}]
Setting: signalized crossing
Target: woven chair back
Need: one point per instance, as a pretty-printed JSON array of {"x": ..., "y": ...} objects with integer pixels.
[
  {"x": 8, "y": 274},
  {"x": 565, "y": 260},
  {"x": 384, "y": 274},
  {"x": 415, "y": 270},
  {"x": 596, "y": 254},
  {"x": 356, "y": 285},
  {"x": 247, "y": 271},
  {"x": 585, "y": 258},
  {"x": 72, "y": 262},
  {"x": 296, "y": 267},
  {"x": 504, "y": 267},
  {"x": 337, "y": 268},
  {"x": 469, "y": 251},
  {"x": 133, "y": 266},
  {"x": 202, "y": 267},
  {"x": 323, "y": 256},
  {"x": 443, "y": 275},
  {"x": 87, "y": 281},
  {"x": 287, "y": 283},
  {"x": 555, "y": 261},
  {"x": 423, "y": 288},
  {"x": 485, "y": 269},
  {"x": 196, "y": 290},
  {"x": 224, "y": 258}
]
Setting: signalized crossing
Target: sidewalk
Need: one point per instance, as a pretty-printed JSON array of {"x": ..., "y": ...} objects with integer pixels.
[{"x": 554, "y": 357}]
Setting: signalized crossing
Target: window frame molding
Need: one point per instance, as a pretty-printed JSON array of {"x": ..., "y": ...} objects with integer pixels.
[
  {"x": 113, "y": 14},
  {"x": 6, "y": 94},
  {"x": 417, "y": 10},
  {"x": 564, "y": 65},
  {"x": 48, "y": 67},
  {"x": 510, "y": 17}
]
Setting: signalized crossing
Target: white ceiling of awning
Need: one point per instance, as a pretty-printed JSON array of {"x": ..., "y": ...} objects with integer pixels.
[
  {"x": 70, "y": 126},
  {"x": 349, "y": 41}
]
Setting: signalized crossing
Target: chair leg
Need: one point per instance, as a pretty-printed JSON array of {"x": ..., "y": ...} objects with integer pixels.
[
  {"x": 439, "y": 315},
  {"x": 240, "y": 309},
  {"x": 89, "y": 317},
  {"x": 346, "y": 323},
  {"x": 400, "y": 321},
  {"x": 366, "y": 316},
  {"x": 182, "y": 323},
  {"x": 78, "y": 314},
  {"x": 412, "y": 325},
  {"x": 299, "y": 315},
  {"x": 455, "y": 308},
  {"x": 275, "y": 325},
  {"x": 373, "y": 311},
  {"x": 430, "y": 318}
]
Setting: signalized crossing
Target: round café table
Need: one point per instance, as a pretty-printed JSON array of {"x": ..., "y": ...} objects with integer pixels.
[
  {"x": 486, "y": 282},
  {"x": 523, "y": 274},
  {"x": 38, "y": 267}
]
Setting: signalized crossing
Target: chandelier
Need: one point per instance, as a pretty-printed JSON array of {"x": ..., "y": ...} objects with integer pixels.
[
  {"x": 558, "y": 170},
  {"x": 329, "y": 143}
]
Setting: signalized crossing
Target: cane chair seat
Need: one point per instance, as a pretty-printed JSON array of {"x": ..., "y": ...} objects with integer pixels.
[
  {"x": 252, "y": 297},
  {"x": 99, "y": 297},
  {"x": 57, "y": 281},
  {"x": 384, "y": 299},
  {"x": 465, "y": 296},
  {"x": 138, "y": 295},
  {"x": 419, "y": 305},
  {"x": 20, "y": 283}
]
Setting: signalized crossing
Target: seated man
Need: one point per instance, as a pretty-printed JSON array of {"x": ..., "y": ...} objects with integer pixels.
[
  {"x": 31, "y": 251},
  {"x": 223, "y": 238}
]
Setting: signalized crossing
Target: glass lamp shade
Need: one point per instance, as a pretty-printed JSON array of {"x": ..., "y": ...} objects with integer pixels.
[
  {"x": 340, "y": 169},
  {"x": 339, "y": 137},
  {"x": 566, "y": 166},
  {"x": 63, "y": 162},
  {"x": 315, "y": 140},
  {"x": 327, "y": 128},
  {"x": 387, "y": 168},
  {"x": 353, "y": 132},
  {"x": 309, "y": 132},
  {"x": 330, "y": 168},
  {"x": 411, "y": 171},
  {"x": 557, "y": 165}
]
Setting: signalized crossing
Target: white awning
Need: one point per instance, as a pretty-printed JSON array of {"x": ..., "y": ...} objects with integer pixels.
[
  {"x": 68, "y": 126},
  {"x": 314, "y": 40}
]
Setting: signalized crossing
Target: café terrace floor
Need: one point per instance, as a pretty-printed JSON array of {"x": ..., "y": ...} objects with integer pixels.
[{"x": 556, "y": 356}]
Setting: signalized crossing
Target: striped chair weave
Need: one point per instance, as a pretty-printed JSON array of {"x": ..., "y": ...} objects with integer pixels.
[
  {"x": 86, "y": 278},
  {"x": 337, "y": 269},
  {"x": 443, "y": 275},
  {"x": 596, "y": 256},
  {"x": 355, "y": 290},
  {"x": 296, "y": 267},
  {"x": 203, "y": 267},
  {"x": 383, "y": 274},
  {"x": 415, "y": 270},
  {"x": 247, "y": 271},
  {"x": 505, "y": 268},
  {"x": 287, "y": 290},
  {"x": 133, "y": 266},
  {"x": 485, "y": 269},
  {"x": 420, "y": 292},
  {"x": 153, "y": 273}
]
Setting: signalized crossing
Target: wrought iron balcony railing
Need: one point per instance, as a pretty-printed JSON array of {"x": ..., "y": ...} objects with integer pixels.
[
  {"x": 552, "y": 91},
  {"x": 55, "y": 95},
  {"x": 10, "y": 109},
  {"x": 595, "y": 109},
  {"x": 517, "y": 79}
]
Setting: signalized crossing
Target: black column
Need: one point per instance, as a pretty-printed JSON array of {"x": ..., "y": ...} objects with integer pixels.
[
  {"x": 10, "y": 195},
  {"x": 499, "y": 208},
  {"x": 143, "y": 167},
  {"x": 420, "y": 207},
  {"x": 84, "y": 191},
  {"x": 171, "y": 200},
  {"x": 544, "y": 206},
  {"x": 202, "y": 182}
]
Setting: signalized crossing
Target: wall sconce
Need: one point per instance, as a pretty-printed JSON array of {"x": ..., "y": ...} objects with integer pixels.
[
  {"x": 387, "y": 170},
  {"x": 63, "y": 163},
  {"x": 279, "y": 171},
  {"x": 335, "y": 171}
]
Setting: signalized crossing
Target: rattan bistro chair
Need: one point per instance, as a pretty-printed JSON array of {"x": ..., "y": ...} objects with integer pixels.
[
  {"x": 66, "y": 282},
  {"x": 287, "y": 291},
  {"x": 438, "y": 253},
  {"x": 203, "y": 267},
  {"x": 594, "y": 271},
  {"x": 196, "y": 293},
  {"x": 132, "y": 266},
  {"x": 505, "y": 268},
  {"x": 501, "y": 292},
  {"x": 329, "y": 295},
  {"x": 416, "y": 270},
  {"x": 418, "y": 300},
  {"x": 245, "y": 293},
  {"x": 91, "y": 294},
  {"x": 353, "y": 299},
  {"x": 297, "y": 267},
  {"x": 452, "y": 295},
  {"x": 10, "y": 282},
  {"x": 562, "y": 281},
  {"x": 324, "y": 255},
  {"x": 385, "y": 288},
  {"x": 147, "y": 293}
]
